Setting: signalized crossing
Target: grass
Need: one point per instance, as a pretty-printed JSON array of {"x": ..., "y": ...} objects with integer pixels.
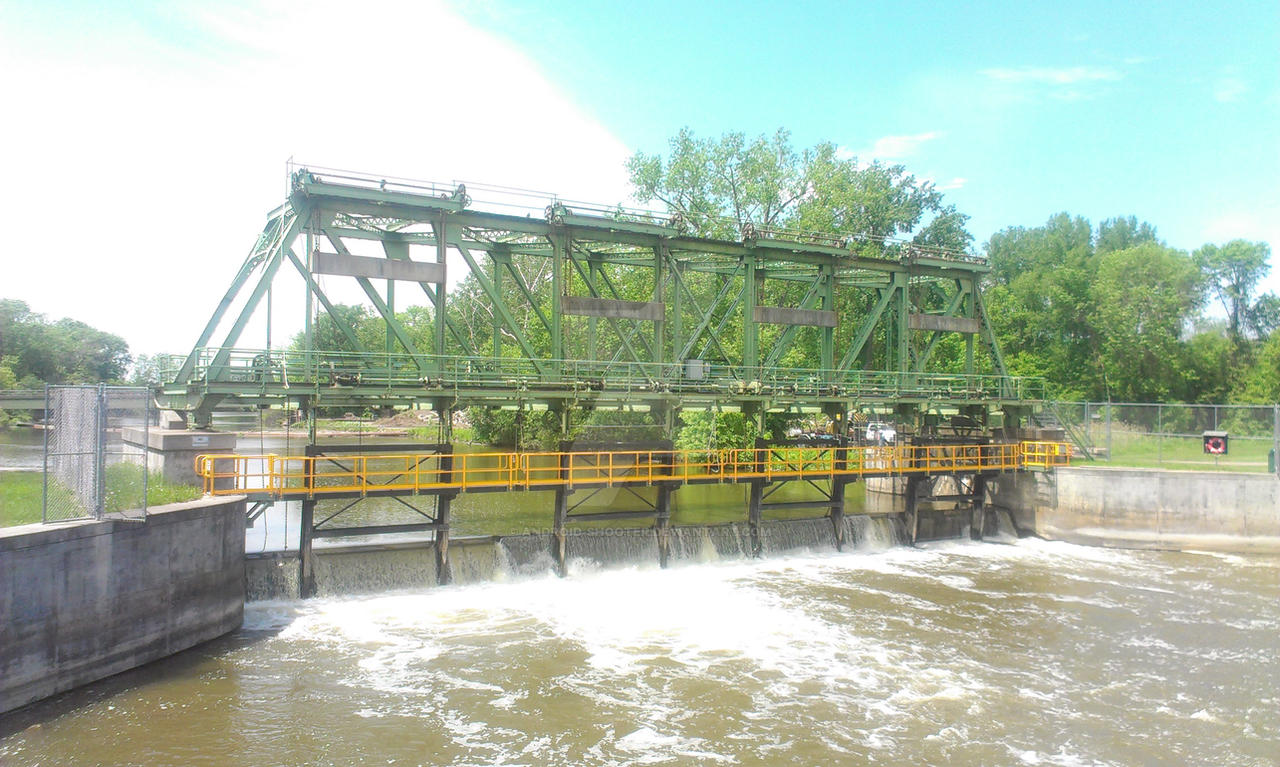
[
  {"x": 1147, "y": 451},
  {"x": 21, "y": 494},
  {"x": 124, "y": 488}
]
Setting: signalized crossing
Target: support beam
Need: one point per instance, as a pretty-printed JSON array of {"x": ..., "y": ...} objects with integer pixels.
[
  {"x": 865, "y": 330},
  {"x": 500, "y": 306},
  {"x": 754, "y": 508},
  {"x": 444, "y": 574},
  {"x": 306, "y": 563},
  {"x": 386, "y": 311},
  {"x": 274, "y": 233},
  {"x": 559, "y": 544}
]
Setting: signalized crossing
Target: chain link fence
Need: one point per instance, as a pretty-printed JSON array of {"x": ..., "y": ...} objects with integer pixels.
[
  {"x": 1172, "y": 436},
  {"x": 89, "y": 469}
]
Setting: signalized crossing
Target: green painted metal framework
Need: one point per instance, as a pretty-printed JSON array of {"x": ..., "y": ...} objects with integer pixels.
[{"x": 639, "y": 314}]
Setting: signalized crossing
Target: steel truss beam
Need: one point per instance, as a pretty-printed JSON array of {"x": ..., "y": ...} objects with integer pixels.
[{"x": 702, "y": 300}]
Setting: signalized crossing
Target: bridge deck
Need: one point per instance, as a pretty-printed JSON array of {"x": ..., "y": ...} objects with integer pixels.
[{"x": 276, "y": 477}]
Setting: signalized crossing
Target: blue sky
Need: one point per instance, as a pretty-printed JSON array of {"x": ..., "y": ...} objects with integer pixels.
[
  {"x": 146, "y": 141},
  {"x": 1168, "y": 111}
]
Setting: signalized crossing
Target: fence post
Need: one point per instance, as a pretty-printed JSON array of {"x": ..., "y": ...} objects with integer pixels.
[
  {"x": 44, "y": 496},
  {"x": 146, "y": 434},
  {"x": 1160, "y": 435},
  {"x": 1087, "y": 428},
  {"x": 100, "y": 460},
  {"x": 1109, "y": 454},
  {"x": 1275, "y": 435}
]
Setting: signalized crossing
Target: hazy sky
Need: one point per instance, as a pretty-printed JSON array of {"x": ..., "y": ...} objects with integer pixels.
[{"x": 144, "y": 143}]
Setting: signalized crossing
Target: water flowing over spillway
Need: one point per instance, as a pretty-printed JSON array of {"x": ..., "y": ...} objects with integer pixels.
[{"x": 955, "y": 653}]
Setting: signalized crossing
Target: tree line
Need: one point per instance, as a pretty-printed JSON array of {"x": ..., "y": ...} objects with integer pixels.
[{"x": 35, "y": 350}]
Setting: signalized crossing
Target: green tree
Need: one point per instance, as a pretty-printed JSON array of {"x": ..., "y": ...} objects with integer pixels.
[
  {"x": 38, "y": 351},
  {"x": 1232, "y": 273},
  {"x": 1042, "y": 305},
  {"x": 1122, "y": 233},
  {"x": 716, "y": 185},
  {"x": 1144, "y": 295}
]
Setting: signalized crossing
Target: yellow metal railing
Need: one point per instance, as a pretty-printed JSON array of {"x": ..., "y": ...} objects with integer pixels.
[{"x": 303, "y": 476}]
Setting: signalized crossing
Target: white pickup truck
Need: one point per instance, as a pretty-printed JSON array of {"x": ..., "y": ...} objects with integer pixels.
[{"x": 881, "y": 433}]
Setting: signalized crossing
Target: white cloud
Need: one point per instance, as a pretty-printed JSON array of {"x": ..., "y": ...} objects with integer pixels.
[
  {"x": 898, "y": 147},
  {"x": 1051, "y": 75},
  {"x": 149, "y": 164},
  {"x": 1229, "y": 88},
  {"x": 955, "y": 183}
]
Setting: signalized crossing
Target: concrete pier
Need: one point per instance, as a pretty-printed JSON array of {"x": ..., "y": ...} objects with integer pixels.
[{"x": 172, "y": 452}]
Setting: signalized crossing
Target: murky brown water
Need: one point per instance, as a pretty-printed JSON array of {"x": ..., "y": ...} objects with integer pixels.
[{"x": 975, "y": 654}]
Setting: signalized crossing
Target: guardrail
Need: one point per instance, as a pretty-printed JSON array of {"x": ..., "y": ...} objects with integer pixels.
[
  {"x": 293, "y": 368},
  {"x": 276, "y": 477}
]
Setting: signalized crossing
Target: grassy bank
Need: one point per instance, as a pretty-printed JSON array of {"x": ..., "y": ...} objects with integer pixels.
[
  {"x": 1145, "y": 451},
  {"x": 21, "y": 494}
]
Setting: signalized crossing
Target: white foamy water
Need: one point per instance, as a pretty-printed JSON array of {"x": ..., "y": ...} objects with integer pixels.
[{"x": 956, "y": 653}]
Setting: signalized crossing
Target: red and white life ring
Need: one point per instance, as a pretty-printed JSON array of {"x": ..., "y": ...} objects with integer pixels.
[{"x": 1215, "y": 445}]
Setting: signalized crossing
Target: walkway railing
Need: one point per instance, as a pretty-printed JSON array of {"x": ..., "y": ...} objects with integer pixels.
[
  {"x": 276, "y": 476},
  {"x": 278, "y": 368}
]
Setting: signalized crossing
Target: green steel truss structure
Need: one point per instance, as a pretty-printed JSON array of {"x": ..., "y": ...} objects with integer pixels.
[{"x": 628, "y": 311}]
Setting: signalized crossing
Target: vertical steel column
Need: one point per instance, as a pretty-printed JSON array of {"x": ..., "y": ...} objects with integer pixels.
[
  {"x": 902, "y": 334},
  {"x": 441, "y": 317},
  {"x": 561, "y": 515},
  {"x": 306, "y": 571},
  {"x": 306, "y": 527},
  {"x": 659, "y": 294},
  {"x": 913, "y": 507},
  {"x": 558, "y": 244},
  {"x": 444, "y": 575},
  {"x": 750, "y": 330},
  {"x": 978, "y": 500},
  {"x": 970, "y": 311},
  {"x": 593, "y": 323},
  {"x": 677, "y": 317},
  {"x": 497, "y": 288},
  {"x": 838, "y": 482},
  {"x": 308, "y": 340},
  {"x": 754, "y": 504},
  {"x": 755, "y": 501},
  {"x": 662, "y": 505},
  {"x": 828, "y": 351}
]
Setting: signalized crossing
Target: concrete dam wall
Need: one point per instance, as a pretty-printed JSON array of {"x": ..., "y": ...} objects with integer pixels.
[
  {"x": 1147, "y": 508},
  {"x": 84, "y": 600}
]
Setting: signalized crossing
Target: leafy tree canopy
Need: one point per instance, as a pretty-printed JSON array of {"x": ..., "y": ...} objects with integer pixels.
[{"x": 717, "y": 185}]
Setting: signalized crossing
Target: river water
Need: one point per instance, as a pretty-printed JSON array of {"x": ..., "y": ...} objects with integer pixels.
[{"x": 957, "y": 653}]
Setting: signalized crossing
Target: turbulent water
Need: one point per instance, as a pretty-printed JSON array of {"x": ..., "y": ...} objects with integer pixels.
[{"x": 979, "y": 654}]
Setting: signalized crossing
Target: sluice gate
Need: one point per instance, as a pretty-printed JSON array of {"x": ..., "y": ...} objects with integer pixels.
[{"x": 436, "y": 474}]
